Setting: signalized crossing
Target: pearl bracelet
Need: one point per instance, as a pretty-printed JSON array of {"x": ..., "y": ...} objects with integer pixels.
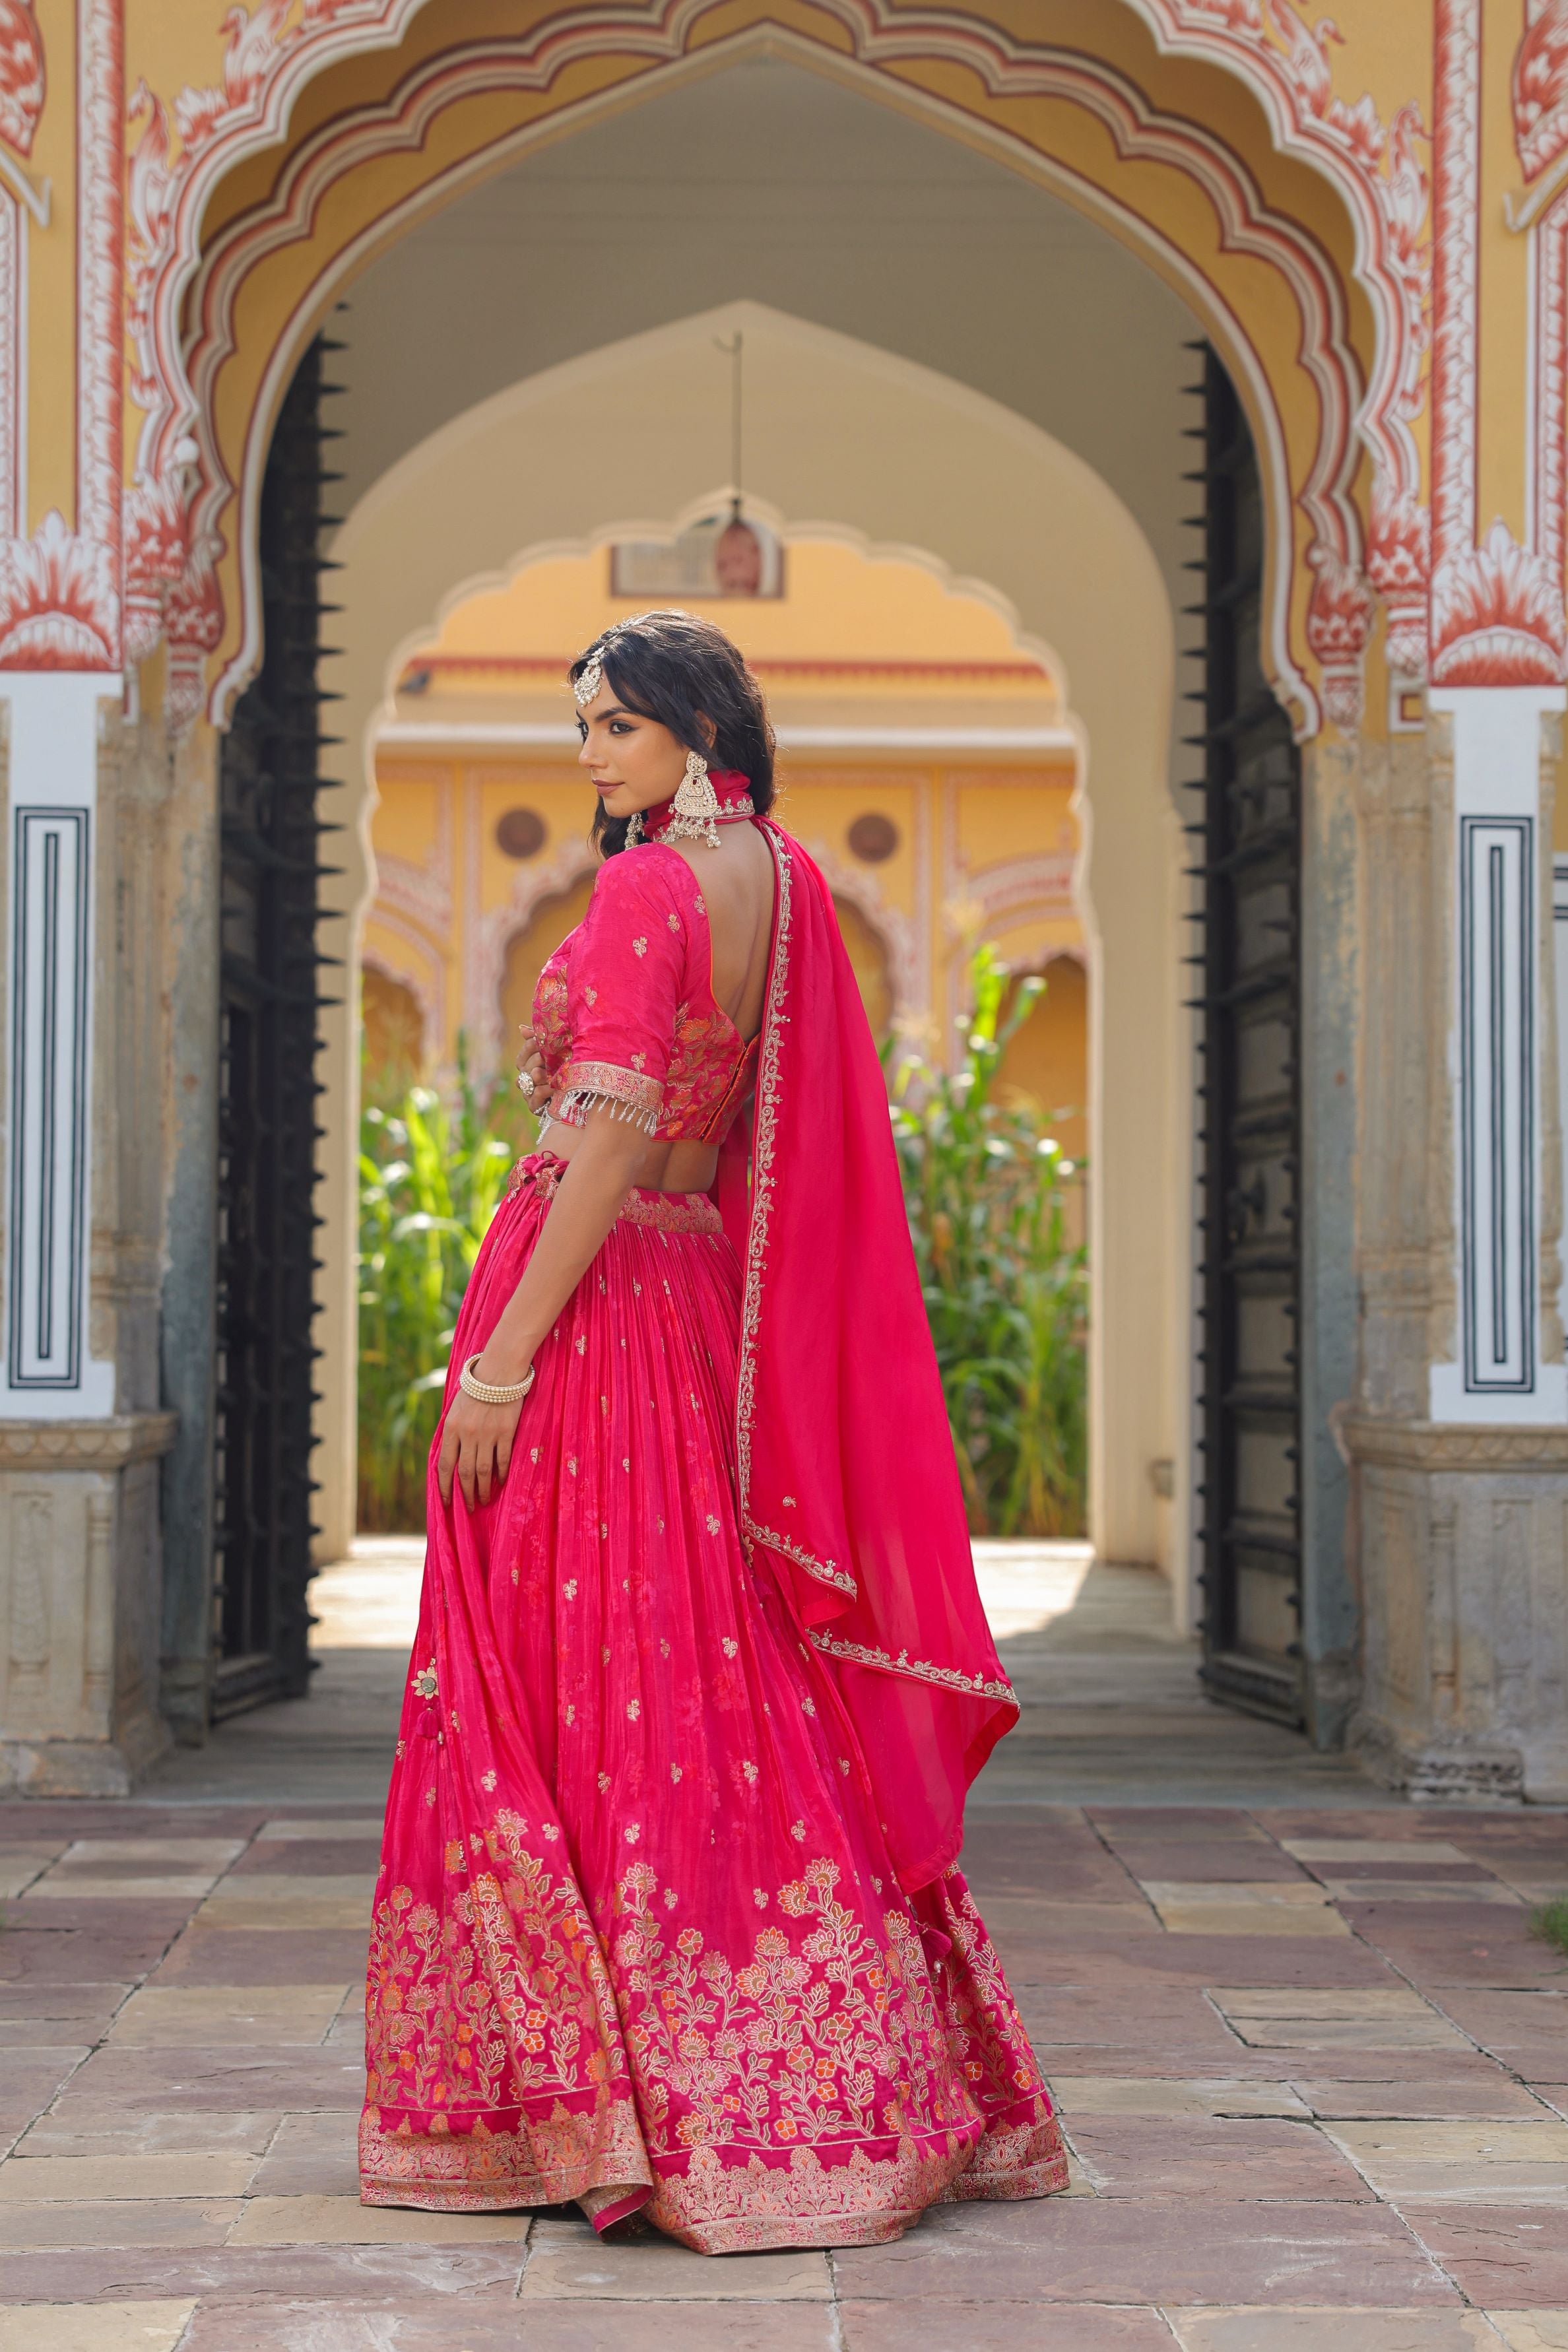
[{"x": 487, "y": 1392}]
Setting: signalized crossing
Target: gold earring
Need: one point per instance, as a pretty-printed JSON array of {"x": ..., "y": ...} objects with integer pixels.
[{"x": 695, "y": 807}]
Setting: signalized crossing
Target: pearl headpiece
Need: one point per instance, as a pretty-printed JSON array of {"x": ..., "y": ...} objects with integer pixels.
[{"x": 586, "y": 687}]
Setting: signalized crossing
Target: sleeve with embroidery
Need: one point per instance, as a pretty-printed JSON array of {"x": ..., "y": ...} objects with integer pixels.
[{"x": 628, "y": 976}]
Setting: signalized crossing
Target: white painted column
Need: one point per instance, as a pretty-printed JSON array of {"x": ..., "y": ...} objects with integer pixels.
[
  {"x": 1494, "y": 1061},
  {"x": 47, "y": 1373},
  {"x": 1559, "y": 973}
]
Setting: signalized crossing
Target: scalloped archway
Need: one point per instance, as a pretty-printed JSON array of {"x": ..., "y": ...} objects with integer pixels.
[
  {"x": 1010, "y": 507},
  {"x": 1290, "y": 223}
]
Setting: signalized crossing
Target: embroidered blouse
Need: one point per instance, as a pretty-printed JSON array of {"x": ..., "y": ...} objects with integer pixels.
[{"x": 625, "y": 1012}]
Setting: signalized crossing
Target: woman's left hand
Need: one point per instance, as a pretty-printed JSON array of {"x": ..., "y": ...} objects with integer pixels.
[{"x": 476, "y": 1445}]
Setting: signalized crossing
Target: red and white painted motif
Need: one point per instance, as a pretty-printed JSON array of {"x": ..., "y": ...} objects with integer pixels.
[
  {"x": 403, "y": 122},
  {"x": 274, "y": 48},
  {"x": 1541, "y": 86},
  {"x": 1497, "y": 615},
  {"x": 537, "y": 59},
  {"x": 21, "y": 74},
  {"x": 1379, "y": 174},
  {"x": 60, "y": 589},
  {"x": 1339, "y": 618}
]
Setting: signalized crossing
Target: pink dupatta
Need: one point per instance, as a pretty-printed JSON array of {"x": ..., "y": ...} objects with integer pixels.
[{"x": 846, "y": 1467}]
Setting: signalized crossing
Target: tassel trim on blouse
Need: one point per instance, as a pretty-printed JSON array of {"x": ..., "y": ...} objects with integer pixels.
[{"x": 630, "y": 1096}]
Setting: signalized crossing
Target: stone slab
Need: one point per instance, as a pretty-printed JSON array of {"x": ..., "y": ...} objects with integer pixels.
[
  {"x": 47, "y": 1950},
  {"x": 1441, "y": 2100},
  {"x": 344, "y": 2222},
  {"x": 1224, "y": 2158},
  {"x": 128, "y": 2221},
  {"x": 209, "y": 2078},
  {"x": 256, "y": 1956},
  {"x": 609, "y": 2326},
  {"x": 1265, "y": 2328},
  {"x": 1532, "y": 2331},
  {"x": 1442, "y": 1944},
  {"x": 1317, "y": 2000},
  {"x": 1336, "y": 2033},
  {"x": 77, "y": 2126},
  {"x": 1508, "y": 2020},
  {"x": 62, "y": 1885},
  {"x": 1497, "y": 2259},
  {"x": 31, "y": 2179},
  {"x": 1386, "y": 1849},
  {"x": 152, "y": 2326},
  {"x": 37, "y": 2005},
  {"x": 1083, "y": 2094},
  {"x": 1077, "y": 2250},
  {"x": 252, "y": 2277},
  {"x": 567, "y": 2263},
  {"x": 286, "y": 1903},
  {"x": 326, "y": 1826},
  {"x": 1522, "y": 2161},
  {"x": 175, "y": 2016},
  {"x": 187, "y": 1855},
  {"x": 1422, "y": 1890},
  {"x": 312, "y": 2156},
  {"x": 1007, "y": 2327}
]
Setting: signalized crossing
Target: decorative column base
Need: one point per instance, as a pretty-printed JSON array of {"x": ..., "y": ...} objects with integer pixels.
[
  {"x": 1464, "y": 1576},
  {"x": 80, "y": 1577}
]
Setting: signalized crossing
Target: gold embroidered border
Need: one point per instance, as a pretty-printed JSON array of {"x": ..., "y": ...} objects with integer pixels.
[
  {"x": 862, "y": 1653},
  {"x": 672, "y": 1212},
  {"x": 826, "y": 1571},
  {"x": 628, "y": 1093},
  {"x": 764, "y": 1132},
  {"x": 548, "y": 2161}
]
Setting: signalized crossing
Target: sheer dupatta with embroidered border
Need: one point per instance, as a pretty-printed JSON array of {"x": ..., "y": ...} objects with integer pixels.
[{"x": 845, "y": 1460}]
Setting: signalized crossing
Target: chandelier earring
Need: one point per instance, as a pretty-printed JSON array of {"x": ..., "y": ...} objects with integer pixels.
[{"x": 695, "y": 808}]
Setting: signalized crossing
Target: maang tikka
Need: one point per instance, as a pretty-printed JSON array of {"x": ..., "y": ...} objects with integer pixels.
[{"x": 695, "y": 808}]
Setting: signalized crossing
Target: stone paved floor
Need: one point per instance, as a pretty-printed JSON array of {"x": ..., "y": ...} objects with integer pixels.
[{"x": 1313, "y": 2064}]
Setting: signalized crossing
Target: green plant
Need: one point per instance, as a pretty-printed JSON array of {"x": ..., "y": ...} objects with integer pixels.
[
  {"x": 431, "y": 1173},
  {"x": 1550, "y": 1922},
  {"x": 987, "y": 1189}
]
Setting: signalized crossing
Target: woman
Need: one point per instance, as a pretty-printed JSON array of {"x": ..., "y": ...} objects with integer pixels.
[{"x": 667, "y": 1921}]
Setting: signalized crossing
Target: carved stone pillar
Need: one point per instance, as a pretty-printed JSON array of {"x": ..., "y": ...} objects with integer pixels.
[
  {"x": 80, "y": 1572},
  {"x": 81, "y": 1430},
  {"x": 1459, "y": 1439}
]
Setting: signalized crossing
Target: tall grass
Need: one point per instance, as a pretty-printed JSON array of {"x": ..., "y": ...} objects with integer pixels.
[
  {"x": 430, "y": 1176},
  {"x": 986, "y": 1187}
]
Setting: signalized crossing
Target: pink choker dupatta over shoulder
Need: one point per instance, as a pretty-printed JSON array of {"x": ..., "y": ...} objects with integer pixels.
[{"x": 846, "y": 1468}]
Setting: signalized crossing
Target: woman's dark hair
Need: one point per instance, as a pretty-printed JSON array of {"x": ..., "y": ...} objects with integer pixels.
[{"x": 672, "y": 666}]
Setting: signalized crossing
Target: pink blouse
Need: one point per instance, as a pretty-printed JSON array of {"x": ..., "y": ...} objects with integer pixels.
[{"x": 625, "y": 1012}]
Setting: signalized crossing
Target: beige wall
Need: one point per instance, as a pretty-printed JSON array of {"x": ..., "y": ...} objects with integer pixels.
[{"x": 904, "y": 459}]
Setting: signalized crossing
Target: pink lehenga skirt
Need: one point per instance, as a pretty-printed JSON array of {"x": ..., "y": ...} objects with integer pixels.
[{"x": 637, "y": 1939}]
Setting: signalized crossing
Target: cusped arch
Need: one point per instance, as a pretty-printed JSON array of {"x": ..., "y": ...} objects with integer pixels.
[
  {"x": 1008, "y": 506},
  {"x": 952, "y": 69}
]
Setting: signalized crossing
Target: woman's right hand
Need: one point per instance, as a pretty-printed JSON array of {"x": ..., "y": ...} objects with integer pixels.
[{"x": 476, "y": 1447}]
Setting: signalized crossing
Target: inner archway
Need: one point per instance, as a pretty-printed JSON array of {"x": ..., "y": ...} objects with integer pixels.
[{"x": 1058, "y": 554}]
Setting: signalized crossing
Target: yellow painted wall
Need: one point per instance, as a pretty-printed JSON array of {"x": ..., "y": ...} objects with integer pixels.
[{"x": 987, "y": 840}]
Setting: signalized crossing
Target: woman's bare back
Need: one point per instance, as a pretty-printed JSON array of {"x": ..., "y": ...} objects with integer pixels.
[{"x": 738, "y": 884}]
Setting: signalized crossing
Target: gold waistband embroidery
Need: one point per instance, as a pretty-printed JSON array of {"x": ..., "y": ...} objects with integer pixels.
[{"x": 671, "y": 1213}]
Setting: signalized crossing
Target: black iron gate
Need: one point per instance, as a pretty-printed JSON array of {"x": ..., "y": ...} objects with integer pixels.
[
  {"x": 1249, "y": 1128},
  {"x": 267, "y": 1138}
]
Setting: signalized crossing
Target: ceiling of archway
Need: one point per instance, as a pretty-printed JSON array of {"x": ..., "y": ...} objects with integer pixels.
[{"x": 767, "y": 182}]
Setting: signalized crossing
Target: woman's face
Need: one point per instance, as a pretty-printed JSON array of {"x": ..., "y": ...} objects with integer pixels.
[{"x": 635, "y": 761}]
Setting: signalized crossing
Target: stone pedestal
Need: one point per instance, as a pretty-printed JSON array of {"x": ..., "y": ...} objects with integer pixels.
[
  {"x": 1463, "y": 1551},
  {"x": 78, "y": 1609}
]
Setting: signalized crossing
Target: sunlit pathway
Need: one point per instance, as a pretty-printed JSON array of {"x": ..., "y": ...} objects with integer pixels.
[{"x": 1313, "y": 2063}]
